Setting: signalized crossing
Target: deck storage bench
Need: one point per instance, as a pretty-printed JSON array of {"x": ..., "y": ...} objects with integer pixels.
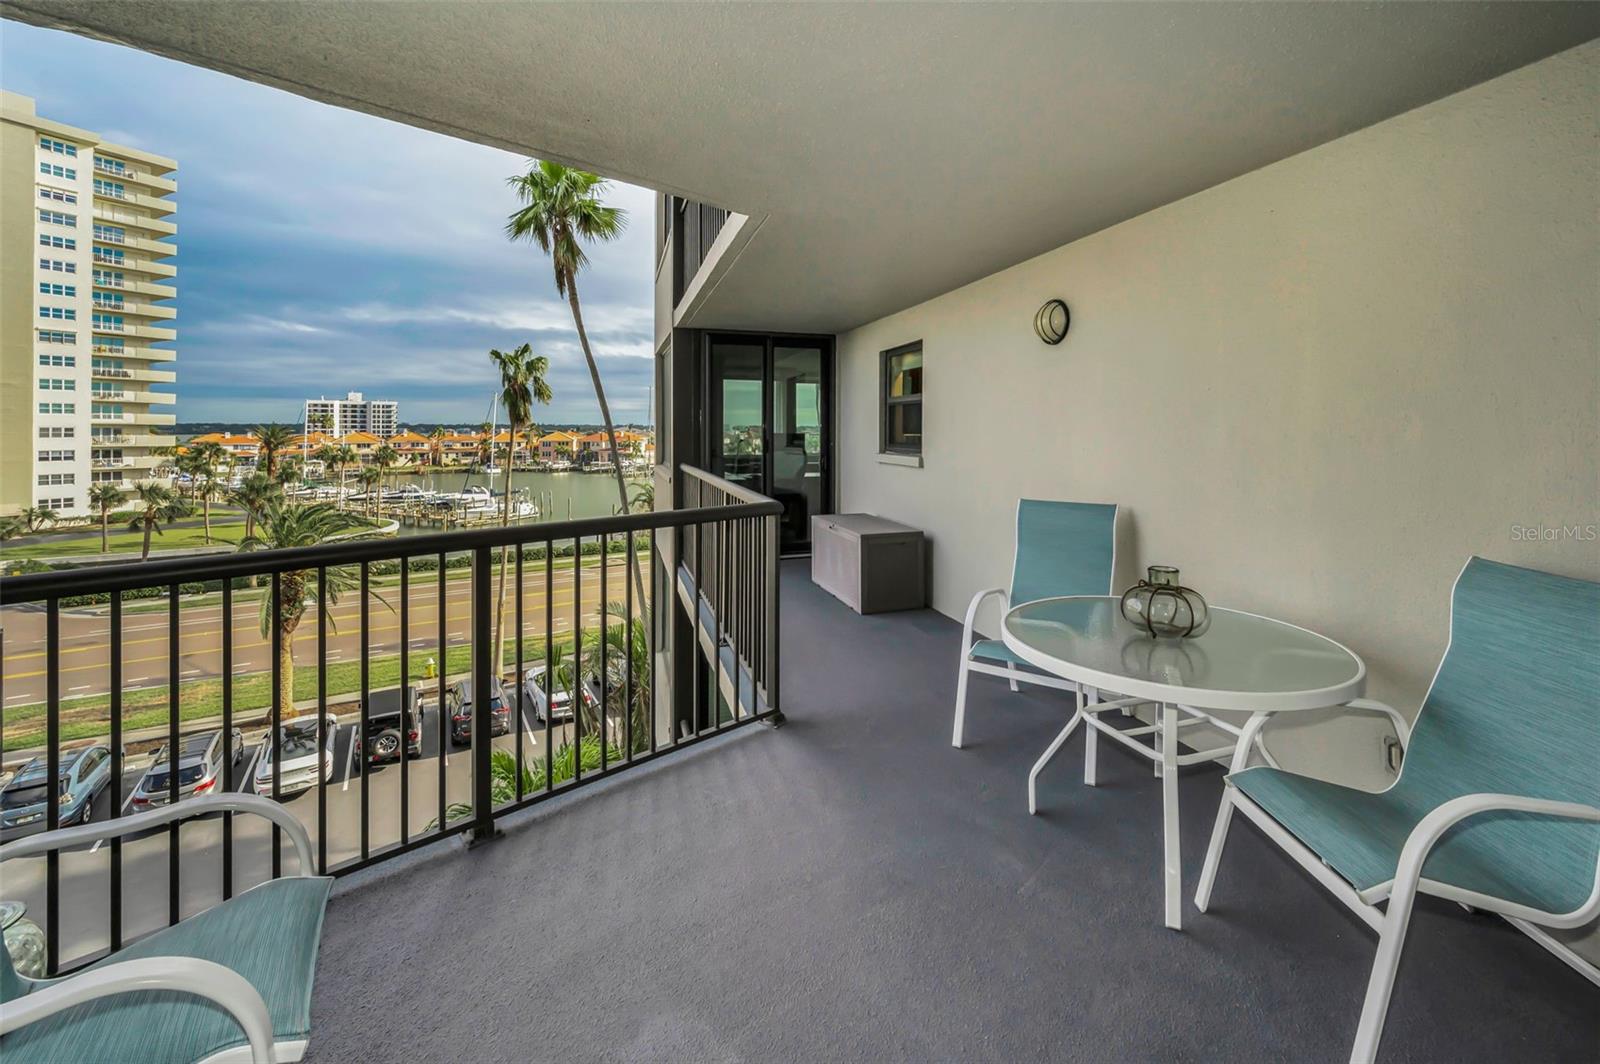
[{"x": 871, "y": 564}]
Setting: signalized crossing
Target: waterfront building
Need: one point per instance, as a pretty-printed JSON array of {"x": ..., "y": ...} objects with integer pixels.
[
  {"x": 86, "y": 291},
  {"x": 353, "y": 413}
]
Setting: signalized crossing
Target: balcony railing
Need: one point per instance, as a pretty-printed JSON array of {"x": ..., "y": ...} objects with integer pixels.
[{"x": 588, "y": 697}]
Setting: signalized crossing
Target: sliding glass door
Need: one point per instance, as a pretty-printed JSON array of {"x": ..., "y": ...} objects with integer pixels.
[{"x": 768, "y": 403}]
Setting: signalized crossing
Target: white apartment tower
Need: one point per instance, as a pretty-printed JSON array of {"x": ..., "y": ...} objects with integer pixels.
[
  {"x": 85, "y": 311},
  {"x": 353, "y": 413}
]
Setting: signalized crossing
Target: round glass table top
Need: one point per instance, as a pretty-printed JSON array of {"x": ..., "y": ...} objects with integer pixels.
[{"x": 1243, "y": 662}]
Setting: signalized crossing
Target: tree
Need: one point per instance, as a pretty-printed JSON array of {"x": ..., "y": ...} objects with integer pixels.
[
  {"x": 560, "y": 210},
  {"x": 522, "y": 383},
  {"x": 36, "y": 517},
  {"x": 371, "y": 478},
  {"x": 436, "y": 446},
  {"x": 289, "y": 473},
  {"x": 643, "y": 499},
  {"x": 485, "y": 444},
  {"x": 340, "y": 456},
  {"x": 386, "y": 458},
  {"x": 205, "y": 462},
  {"x": 104, "y": 497},
  {"x": 157, "y": 505},
  {"x": 12, "y": 527},
  {"x": 270, "y": 439},
  {"x": 282, "y": 527},
  {"x": 254, "y": 494}
]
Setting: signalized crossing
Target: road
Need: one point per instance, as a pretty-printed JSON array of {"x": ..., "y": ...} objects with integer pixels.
[
  {"x": 85, "y": 872},
  {"x": 86, "y": 638}
]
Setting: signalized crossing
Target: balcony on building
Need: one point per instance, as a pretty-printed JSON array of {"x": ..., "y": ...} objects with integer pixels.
[{"x": 1331, "y": 272}]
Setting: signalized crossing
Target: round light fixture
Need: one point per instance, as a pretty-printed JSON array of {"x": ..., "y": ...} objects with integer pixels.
[{"x": 1052, "y": 321}]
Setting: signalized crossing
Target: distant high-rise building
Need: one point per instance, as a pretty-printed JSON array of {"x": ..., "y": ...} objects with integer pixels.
[
  {"x": 353, "y": 413},
  {"x": 85, "y": 297}
]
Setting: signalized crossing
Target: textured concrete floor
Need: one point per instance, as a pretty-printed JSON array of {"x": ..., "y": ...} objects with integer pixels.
[{"x": 852, "y": 888}]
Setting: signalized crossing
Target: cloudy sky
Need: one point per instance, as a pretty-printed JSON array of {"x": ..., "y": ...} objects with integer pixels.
[{"x": 324, "y": 251}]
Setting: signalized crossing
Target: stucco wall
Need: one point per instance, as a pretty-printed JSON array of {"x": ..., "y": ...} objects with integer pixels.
[{"x": 1317, "y": 388}]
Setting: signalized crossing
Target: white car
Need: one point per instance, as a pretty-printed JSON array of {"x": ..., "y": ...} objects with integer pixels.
[{"x": 300, "y": 757}]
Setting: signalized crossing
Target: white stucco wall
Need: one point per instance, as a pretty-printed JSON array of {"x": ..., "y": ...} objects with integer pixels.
[{"x": 1317, "y": 388}]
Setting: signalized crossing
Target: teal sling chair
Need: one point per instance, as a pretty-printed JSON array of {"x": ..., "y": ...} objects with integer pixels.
[{"x": 1497, "y": 805}]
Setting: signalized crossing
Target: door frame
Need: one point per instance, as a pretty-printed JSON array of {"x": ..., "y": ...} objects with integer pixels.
[{"x": 710, "y": 434}]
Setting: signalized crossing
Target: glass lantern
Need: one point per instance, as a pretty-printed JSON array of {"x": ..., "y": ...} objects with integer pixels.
[{"x": 1161, "y": 606}]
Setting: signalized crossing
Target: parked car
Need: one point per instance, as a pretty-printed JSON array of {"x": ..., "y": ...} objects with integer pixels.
[
  {"x": 200, "y": 761},
  {"x": 81, "y": 776},
  {"x": 299, "y": 759},
  {"x": 386, "y": 730},
  {"x": 458, "y": 701},
  {"x": 561, "y": 698}
]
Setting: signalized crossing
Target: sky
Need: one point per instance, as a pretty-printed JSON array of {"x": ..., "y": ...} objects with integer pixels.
[{"x": 323, "y": 251}]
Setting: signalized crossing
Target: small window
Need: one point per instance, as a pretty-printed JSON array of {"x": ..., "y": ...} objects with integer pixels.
[{"x": 902, "y": 400}]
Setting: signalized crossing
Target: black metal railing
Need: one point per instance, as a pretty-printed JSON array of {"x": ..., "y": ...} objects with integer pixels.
[{"x": 582, "y": 694}]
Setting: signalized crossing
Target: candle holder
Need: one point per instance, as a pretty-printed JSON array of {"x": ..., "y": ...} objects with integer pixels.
[{"x": 1161, "y": 606}]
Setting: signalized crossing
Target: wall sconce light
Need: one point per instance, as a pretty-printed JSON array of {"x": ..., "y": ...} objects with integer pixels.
[{"x": 1052, "y": 321}]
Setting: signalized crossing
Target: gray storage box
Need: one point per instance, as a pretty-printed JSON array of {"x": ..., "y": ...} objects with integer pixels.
[{"x": 871, "y": 564}]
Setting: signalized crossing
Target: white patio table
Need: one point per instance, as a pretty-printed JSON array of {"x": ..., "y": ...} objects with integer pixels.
[{"x": 1244, "y": 663}]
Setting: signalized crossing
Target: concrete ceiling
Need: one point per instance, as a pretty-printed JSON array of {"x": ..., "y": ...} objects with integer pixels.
[{"x": 886, "y": 153}]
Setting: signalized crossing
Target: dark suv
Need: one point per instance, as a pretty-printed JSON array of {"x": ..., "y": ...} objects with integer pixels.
[
  {"x": 458, "y": 701},
  {"x": 394, "y": 718}
]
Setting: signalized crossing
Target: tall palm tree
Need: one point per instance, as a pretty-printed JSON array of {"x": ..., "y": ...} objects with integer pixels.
[
  {"x": 486, "y": 444},
  {"x": 561, "y": 210},
  {"x": 283, "y": 526},
  {"x": 522, "y": 383},
  {"x": 371, "y": 478},
  {"x": 205, "y": 466},
  {"x": 270, "y": 439},
  {"x": 386, "y": 458},
  {"x": 254, "y": 494},
  {"x": 436, "y": 446},
  {"x": 36, "y": 517},
  {"x": 157, "y": 504},
  {"x": 104, "y": 497}
]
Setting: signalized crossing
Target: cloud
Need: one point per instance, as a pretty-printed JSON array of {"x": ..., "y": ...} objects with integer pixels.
[{"x": 324, "y": 251}]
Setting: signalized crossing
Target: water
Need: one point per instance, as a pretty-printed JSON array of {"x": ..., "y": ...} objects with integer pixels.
[{"x": 569, "y": 494}]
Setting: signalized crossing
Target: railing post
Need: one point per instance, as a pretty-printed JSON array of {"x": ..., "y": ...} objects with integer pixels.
[
  {"x": 771, "y": 621},
  {"x": 483, "y": 675}
]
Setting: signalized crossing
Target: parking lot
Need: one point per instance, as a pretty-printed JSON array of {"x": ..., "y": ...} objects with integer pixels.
[{"x": 85, "y": 871}]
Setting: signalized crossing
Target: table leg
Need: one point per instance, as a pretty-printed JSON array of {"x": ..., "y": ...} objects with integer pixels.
[
  {"x": 1249, "y": 736},
  {"x": 1050, "y": 751},
  {"x": 1172, "y": 855},
  {"x": 1090, "y": 737}
]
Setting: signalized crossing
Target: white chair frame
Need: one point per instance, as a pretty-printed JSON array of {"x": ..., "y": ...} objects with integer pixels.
[
  {"x": 215, "y": 982},
  {"x": 1009, "y": 672},
  {"x": 1400, "y": 892}
]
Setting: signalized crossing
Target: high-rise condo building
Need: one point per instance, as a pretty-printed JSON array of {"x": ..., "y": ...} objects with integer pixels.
[
  {"x": 353, "y": 413},
  {"x": 85, "y": 311}
]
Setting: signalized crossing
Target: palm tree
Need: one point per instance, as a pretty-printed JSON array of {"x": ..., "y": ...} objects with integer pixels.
[
  {"x": 254, "y": 494},
  {"x": 386, "y": 458},
  {"x": 560, "y": 210},
  {"x": 289, "y": 473},
  {"x": 485, "y": 444},
  {"x": 370, "y": 478},
  {"x": 103, "y": 497},
  {"x": 643, "y": 498},
  {"x": 270, "y": 439},
  {"x": 522, "y": 384},
  {"x": 36, "y": 517},
  {"x": 283, "y": 526},
  {"x": 11, "y": 527},
  {"x": 157, "y": 505},
  {"x": 436, "y": 446},
  {"x": 205, "y": 464}
]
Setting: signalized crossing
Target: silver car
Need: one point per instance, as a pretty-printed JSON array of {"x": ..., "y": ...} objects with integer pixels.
[
  {"x": 200, "y": 762},
  {"x": 561, "y": 697},
  {"x": 301, "y": 762}
]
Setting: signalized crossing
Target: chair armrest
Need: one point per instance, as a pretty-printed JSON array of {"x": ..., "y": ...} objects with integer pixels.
[
  {"x": 972, "y": 614},
  {"x": 207, "y": 979},
  {"x": 1402, "y": 727},
  {"x": 189, "y": 807},
  {"x": 1433, "y": 826}
]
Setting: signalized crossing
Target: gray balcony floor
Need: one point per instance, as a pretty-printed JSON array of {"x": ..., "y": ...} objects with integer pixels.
[{"x": 852, "y": 888}]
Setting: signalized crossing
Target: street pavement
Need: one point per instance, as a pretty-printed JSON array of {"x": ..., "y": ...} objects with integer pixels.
[{"x": 86, "y": 637}]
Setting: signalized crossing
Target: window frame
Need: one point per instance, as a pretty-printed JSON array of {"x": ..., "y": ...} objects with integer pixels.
[{"x": 886, "y": 402}]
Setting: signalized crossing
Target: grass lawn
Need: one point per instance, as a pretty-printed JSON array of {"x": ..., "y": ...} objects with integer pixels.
[
  {"x": 121, "y": 539},
  {"x": 88, "y": 717}
]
